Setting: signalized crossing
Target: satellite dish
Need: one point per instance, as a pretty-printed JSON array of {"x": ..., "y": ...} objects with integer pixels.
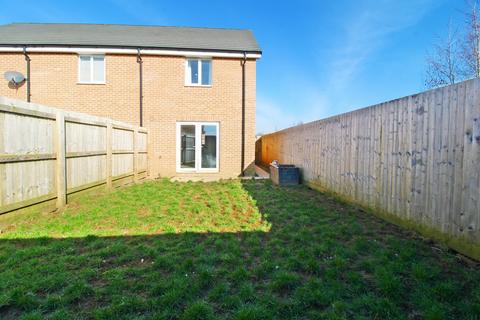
[{"x": 14, "y": 77}]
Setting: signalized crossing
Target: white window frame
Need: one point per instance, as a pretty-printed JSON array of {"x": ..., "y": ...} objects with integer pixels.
[
  {"x": 198, "y": 147},
  {"x": 91, "y": 56},
  {"x": 188, "y": 79}
]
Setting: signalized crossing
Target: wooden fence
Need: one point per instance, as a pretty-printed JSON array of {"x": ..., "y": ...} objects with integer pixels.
[
  {"x": 49, "y": 154},
  {"x": 415, "y": 161}
]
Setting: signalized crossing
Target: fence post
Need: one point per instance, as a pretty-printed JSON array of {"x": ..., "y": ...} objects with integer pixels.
[
  {"x": 60, "y": 172},
  {"x": 147, "y": 149},
  {"x": 135, "y": 155},
  {"x": 109, "y": 158}
]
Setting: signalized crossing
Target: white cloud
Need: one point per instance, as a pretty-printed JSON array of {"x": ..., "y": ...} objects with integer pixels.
[
  {"x": 272, "y": 117},
  {"x": 366, "y": 30}
]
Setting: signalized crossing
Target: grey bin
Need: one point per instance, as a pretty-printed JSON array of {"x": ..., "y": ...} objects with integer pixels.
[{"x": 284, "y": 174}]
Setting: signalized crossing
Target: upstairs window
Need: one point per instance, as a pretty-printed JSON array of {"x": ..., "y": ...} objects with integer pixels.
[
  {"x": 198, "y": 72},
  {"x": 91, "y": 69}
]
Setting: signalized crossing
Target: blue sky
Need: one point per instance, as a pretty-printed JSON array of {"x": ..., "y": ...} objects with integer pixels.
[{"x": 320, "y": 58}]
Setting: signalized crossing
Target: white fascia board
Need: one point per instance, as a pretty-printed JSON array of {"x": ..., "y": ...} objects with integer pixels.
[{"x": 182, "y": 53}]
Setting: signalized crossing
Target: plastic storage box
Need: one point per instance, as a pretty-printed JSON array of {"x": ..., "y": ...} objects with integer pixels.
[{"x": 284, "y": 174}]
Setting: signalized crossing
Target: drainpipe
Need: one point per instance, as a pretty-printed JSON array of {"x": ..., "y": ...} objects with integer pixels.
[
  {"x": 244, "y": 61},
  {"x": 140, "y": 67},
  {"x": 27, "y": 58}
]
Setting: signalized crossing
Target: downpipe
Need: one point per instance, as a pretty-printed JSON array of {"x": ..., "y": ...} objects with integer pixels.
[
  {"x": 27, "y": 59},
  {"x": 140, "y": 68},
  {"x": 244, "y": 61}
]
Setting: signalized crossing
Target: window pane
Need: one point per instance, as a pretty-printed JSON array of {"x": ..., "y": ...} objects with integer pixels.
[
  {"x": 98, "y": 69},
  {"x": 206, "y": 72},
  {"x": 193, "y": 71},
  {"x": 187, "y": 149},
  {"x": 209, "y": 146},
  {"x": 84, "y": 69}
]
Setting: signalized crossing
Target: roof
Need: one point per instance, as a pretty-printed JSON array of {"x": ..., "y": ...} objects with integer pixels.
[{"x": 128, "y": 36}]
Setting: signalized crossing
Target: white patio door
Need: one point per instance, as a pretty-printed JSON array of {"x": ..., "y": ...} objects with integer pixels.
[{"x": 197, "y": 146}]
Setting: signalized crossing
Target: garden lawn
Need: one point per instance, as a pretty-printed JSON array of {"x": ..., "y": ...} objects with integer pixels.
[{"x": 229, "y": 249}]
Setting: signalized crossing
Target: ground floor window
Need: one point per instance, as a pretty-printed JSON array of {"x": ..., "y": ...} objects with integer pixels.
[{"x": 197, "y": 146}]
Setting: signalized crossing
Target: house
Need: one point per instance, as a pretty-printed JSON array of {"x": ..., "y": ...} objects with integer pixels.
[{"x": 192, "y": 88}]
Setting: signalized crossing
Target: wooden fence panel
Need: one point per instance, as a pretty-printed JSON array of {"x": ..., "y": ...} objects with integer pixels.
[
  {"x": 414, "y": 160},
  {"x": 123, "y": 151},
  {"x": 83, "y": 171},
  {"x": 26, "y": 138},
  {"x": 142, "y": 156},
  {"x": 86, "y": 148},
  {"x": 142, "y": 142},
  {"x": 122, "y": 140},
  {"x": 24, "y": 181},
  {"x": 142, "y": 162},
  {"x": 26, "y": 135},
  {"x": 85, "y": 138},
  {"x": 122, "y": 164},
  {"x": 47, "y": 153}
]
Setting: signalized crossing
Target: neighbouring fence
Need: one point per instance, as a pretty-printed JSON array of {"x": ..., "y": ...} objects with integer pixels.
[
  {"x": 48, "y": 154},
  {"x": 415, "y": 161}
]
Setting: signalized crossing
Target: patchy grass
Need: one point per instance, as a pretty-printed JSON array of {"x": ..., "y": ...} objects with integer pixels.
[
  {"x": 239, "y": 250},
  {"x": 153, "y": 208}
]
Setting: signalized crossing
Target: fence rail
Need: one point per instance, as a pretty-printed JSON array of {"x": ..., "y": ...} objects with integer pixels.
[
  {"x": 414, "y": 160},
  {"x": 48, "y": 153}
]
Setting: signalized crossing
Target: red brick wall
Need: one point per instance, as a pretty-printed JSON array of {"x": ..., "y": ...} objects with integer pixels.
[{"x": 166, "y": 100}]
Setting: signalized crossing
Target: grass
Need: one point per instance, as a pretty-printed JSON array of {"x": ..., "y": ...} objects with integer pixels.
[{"x": 230, "y": 249}]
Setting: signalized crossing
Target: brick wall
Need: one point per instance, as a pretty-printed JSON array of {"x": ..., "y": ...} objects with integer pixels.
[{"x": 166, "y": 100}]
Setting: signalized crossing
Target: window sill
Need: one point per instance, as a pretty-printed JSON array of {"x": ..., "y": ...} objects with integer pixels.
[
  {"x": 199, "y": 85},
  {"x": 186, "y": 171},
  {"x": 94, "y": 83}
]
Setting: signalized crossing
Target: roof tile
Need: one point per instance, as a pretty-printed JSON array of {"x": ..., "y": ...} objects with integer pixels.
[{"x": 110, "y": 35}]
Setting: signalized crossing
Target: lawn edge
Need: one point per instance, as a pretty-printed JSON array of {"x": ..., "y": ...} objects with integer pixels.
[{"x": 460, "y": 244}]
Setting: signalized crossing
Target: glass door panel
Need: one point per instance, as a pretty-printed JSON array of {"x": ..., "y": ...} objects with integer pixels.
[
  {"x": 187, "y": 146},
  {"x": 209, "y": 146}
]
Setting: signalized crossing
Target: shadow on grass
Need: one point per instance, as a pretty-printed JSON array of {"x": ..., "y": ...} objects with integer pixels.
[{"x": 320, "y": 259}]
